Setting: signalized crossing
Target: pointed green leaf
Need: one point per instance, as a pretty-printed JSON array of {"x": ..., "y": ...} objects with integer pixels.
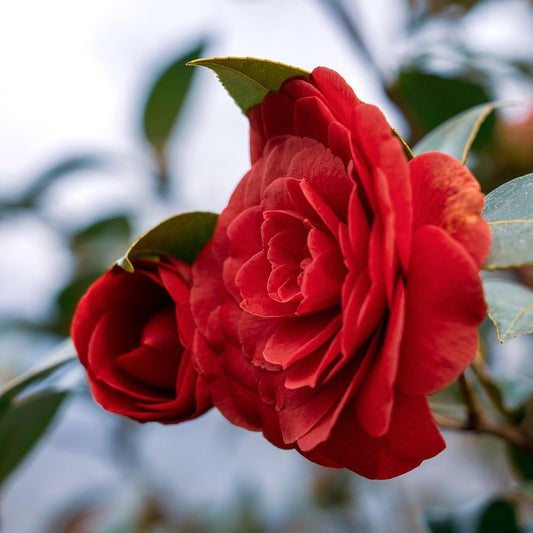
[
  {"x": 509, "y": 212},
  {"x": 181, "y": 236},
  {"x": 249, "y": 80},
  {"x": 166, "y": 97},
  {"x": 22, "y": 426},
  {"x": 510, "y": 307},
  {"x": 455, "y": 136},
  {"x": 65, "y": 353}
]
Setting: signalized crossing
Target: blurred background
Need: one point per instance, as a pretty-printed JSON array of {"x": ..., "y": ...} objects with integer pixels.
[{"x": 104, "y": 133}]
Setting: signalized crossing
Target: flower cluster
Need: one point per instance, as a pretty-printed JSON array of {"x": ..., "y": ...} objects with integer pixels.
[{"x": 341, "y": 287}]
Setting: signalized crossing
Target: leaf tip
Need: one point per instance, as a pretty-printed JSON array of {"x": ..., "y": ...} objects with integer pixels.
[{"x": 125, "y": 263}]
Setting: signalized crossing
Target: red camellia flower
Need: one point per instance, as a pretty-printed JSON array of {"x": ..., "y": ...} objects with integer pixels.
[
  {"x": 133, "y": 333},
  {"x": 342, "y": 284}
]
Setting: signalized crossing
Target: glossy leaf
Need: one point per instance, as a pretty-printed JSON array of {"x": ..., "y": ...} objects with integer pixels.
[
  {"x": 64, "y": 354},
  {"x": 22, "y": 426},
  {"x": 510, "y": 307},
  {"x": 509, "y": 212},
  {"x": 181, "y": 236},
  {"x": 455, "y": 136},
  {"x": 249, "y": 80},
  {"x": 166, "y": 97}
]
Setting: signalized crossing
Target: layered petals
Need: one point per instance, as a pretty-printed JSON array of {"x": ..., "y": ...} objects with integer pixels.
[
  {"x": 133, "y": 333},
  {"x": 341, "y": 286}
]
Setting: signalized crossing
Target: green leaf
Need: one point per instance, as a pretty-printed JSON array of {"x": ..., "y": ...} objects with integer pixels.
[
  {"x": 181, "y": 236},
  {"x": 23, "y": 425},
  {"x": 509, "y": 212},
  {"x": 58, "y": 170},
  {"x": 64, "y": 353},
  {"x": 521, "y": 461},
  {"x": 428, "y": 99},
  {"x": 496, "y": 516},
  {"x": 455, "y": 136},
  {"x": 510, "y": 308},
  {"x": 99, "y": 244},
  {"x": 166, "y": 97},
  {"x": 249, "y": 80}
]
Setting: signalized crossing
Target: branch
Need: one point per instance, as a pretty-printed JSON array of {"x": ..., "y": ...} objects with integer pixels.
[{"x": 488, "y": 426}]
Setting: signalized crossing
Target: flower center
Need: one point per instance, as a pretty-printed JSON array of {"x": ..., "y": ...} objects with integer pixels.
[{"x": 306, "y": 265}]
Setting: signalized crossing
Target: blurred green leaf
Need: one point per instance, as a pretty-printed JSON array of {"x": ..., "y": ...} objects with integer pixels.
[
  {"x": 96, "y": 246},
  {"x": 166, "y": 97},
  {"x": 455, "y": 136},
  {"x": 510, "y": 307},
  {"x": 68, "y": 299},
  {"x": 516, "y": 391},
  {"x": 496, "y": 516},
  {"x": 521, "y": 461},
  {"x": 427, "y": 100},
  {"x": 249, "y": 80},
  {"x": 23, "y": 425},
  {"x": 68, "y": 165},
  {"x": 64, "y": 353},
  {"x": 181, "y": 236},
  {"x": 509, "y": 212}
]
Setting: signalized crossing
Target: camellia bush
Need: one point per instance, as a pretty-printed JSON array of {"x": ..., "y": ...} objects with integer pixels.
[{"x": 341, "y": 288}]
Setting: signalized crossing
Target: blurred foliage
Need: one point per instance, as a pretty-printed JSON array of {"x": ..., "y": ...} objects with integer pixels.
[
  {"x": 496, "y": 516},
  {"x": 25, "y": 419},
  {"x": 426, "y": 94},
  {"x": 27, "y": 410},
  {"x": 23, "y": 425},
  {"x": 417, "y": 93},
  {"x": 164, "y": 105},
  {"x": 427, "y": 8},
  {"x": 30, "y": 198}
]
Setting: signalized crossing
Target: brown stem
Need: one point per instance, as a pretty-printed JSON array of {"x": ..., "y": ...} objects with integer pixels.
[
  {"x": 527, "y": 422},
  {"x": 490, "y": 388},
  {"x": 488, "y": 426},
  {"x": 479, "y": 422},
  {"x": 472, "y": 405}
]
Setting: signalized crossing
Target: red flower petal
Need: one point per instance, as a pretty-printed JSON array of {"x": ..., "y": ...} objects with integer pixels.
[
  {"x": 445, "y": 194},
  {"x": 444, "y": 307}
]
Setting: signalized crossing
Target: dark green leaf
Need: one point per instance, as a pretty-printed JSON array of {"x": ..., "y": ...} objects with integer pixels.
[
  {"x": 64, "y": 354},
  {"x": 182, "y": 237},
  {"x": 455, "y": 136},
  {"x": 428, "y": 100},
  {"x": 249, "y": 80},
  {"x": 68, "y": 299},
  {"x": 510, "y": 307},
  {"x": 521, "y": 461},
  {"x": 498, "y": 517},
  {"x": 22, "y": 426},
  {"x": 166, "y": 97},
  {"x": 509, "y": 212},
  {"x": 97, "y": 246}
]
